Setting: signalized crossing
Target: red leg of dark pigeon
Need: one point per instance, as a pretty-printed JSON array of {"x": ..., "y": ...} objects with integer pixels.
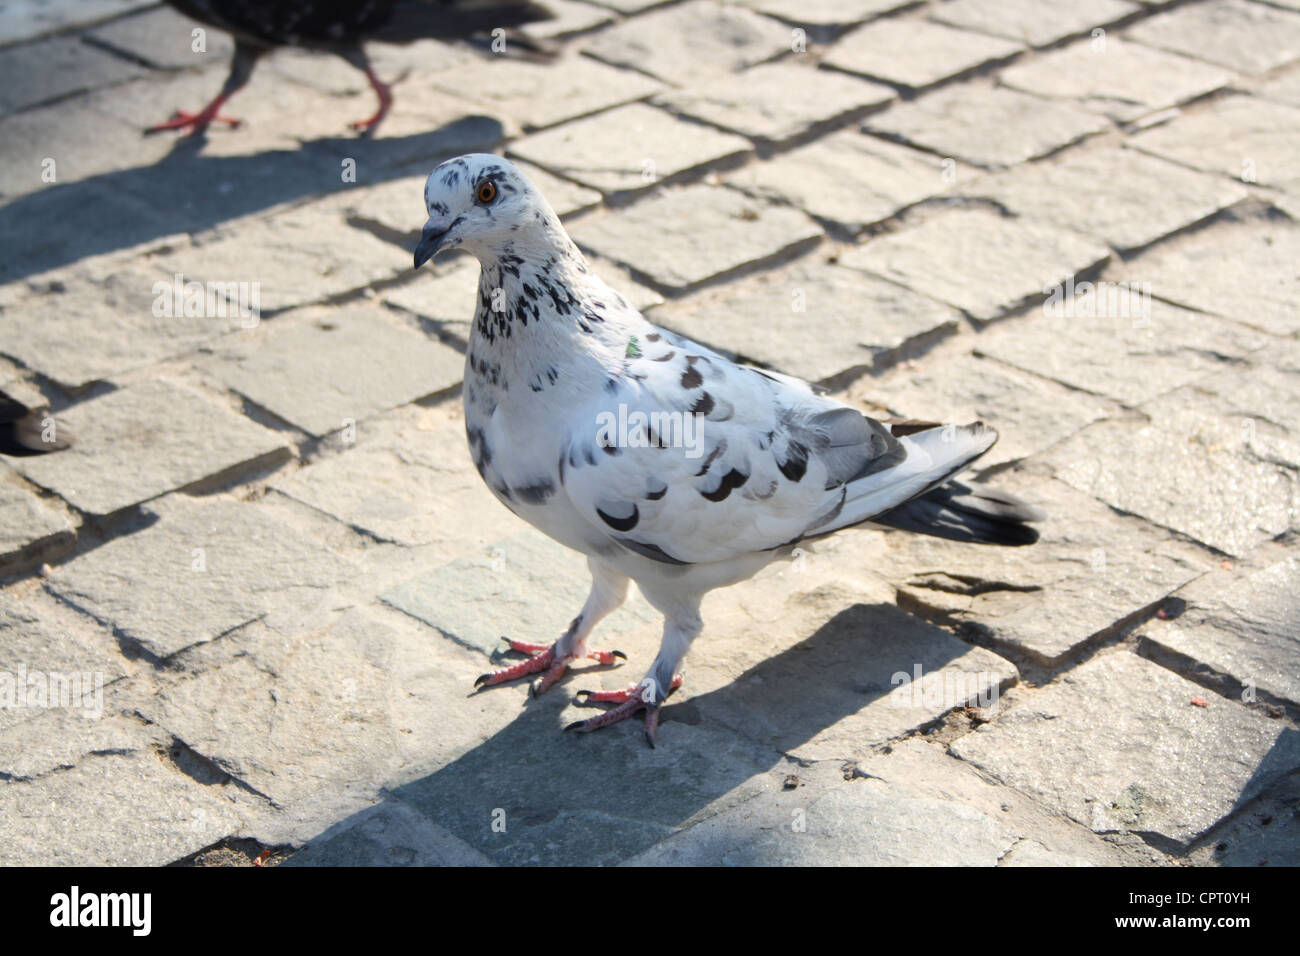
[
  {"x": 629, "y": 700},
  {"x": 385, "y": 94},
  {"x": 545, "y": 660},
  {"x": 197, "y": 122}
]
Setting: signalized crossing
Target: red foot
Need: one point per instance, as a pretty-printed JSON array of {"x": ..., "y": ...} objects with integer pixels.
[
  {"x": 543, "y": 659},
  {"x": 629, "y": 700},
  {"x": 195, "y": 122}
]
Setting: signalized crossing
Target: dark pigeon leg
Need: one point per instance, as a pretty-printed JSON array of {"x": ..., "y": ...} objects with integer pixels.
[
  {"x": 241, "y": 68},
  {"x": 357, "y": 57},
  {"x": 630, "y": 700}
]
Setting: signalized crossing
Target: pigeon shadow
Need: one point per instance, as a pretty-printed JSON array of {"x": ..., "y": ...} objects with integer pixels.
[
  {"x": 188, "y": 191},
  {"x": 602, "y": 798}
]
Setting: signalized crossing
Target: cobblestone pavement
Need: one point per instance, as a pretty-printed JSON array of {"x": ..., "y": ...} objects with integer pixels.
[{"x": 1076, "y": 221}]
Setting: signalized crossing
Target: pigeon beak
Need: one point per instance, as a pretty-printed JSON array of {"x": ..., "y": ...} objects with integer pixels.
[{"x": 431, "y": 240}]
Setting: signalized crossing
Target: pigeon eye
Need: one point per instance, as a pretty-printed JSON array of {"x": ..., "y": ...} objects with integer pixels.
[{"x": 487, "y": 192}]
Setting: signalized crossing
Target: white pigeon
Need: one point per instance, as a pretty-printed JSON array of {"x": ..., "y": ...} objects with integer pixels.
[{"x": 662, "y": 461}]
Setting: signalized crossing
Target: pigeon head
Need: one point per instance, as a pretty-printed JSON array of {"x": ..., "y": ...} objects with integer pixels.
[{"x": 482, "y": 204}]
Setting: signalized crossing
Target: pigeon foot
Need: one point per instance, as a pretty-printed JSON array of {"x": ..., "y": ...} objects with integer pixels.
[
  {"x": 629, "y": 700},
  {"x": 544, "y": 659},
  {"x": 195, "y": 123}
]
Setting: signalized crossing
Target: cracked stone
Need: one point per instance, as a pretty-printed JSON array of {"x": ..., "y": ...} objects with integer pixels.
[
  {"x": 203, "y": 568},
  {"x": 1242, "y": 627},
  {"x": 1241, "y": 269},
  {"x": 1242, "y": 137},
  {"x": 982, "y": 263},
  {"x": 778, "y": 102},
  {"x": 915, "y": 54},
  {"x": 628, "y": 149},
  {"x": 690, "y": 42},
  {"x": 684, "y": 237},
  {"x": 1249, "y": 37},
  {"x": 1106, "y": 193},
  {"x": 1130, "y": 357},
  {"x": 881, "y": 178},
  {"x": 1115, "y": 78},
  {"x": 540, "y": 95},
  {"x": 1112, "y": 742},
  {"x": 752, "y": 319},
  {"x": 1212, "y": 464},
  {"x": 322, "y": 375},
  {"x": 145, "y": 440},
  {"x": 1036, "y": 22},
  {"x": 988, "y": 127}
]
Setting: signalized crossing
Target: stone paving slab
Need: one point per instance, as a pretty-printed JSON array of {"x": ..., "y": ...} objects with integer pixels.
[
  {"x": 568, "y": 18},
  {"x": 915, "y": 54},
  {"x": 166, "y": 815},
  {"x": 689, "y": 42},
  {"x": 632, "y": 148},
  {"x": 121, "y": 316},
  {"x": 51, "y": 69},
  {"x": 389, "y": 834},
  {"x": 826, "y": 667},
  {"x": 475, "y": 601},
  {"x": 1105, "y": 193},
  {"x": 1284, "y": 88},
  {"x": 202, "y": 569},
  {"x": 988, "y": 127},
  {"x": 41, "y": 651},
  {"x": 1239, "y": 629},
  {"x": 143, "y": 441},
  {"x": 859, "y": 822},
  {"x": 1263, "y": 834},
  {"x": 1131, "y": 357},
  {"x": 1115, "y": 78},
  {"x": 322, "y": 375},
  {"x": 1221, "y": 490},
  {"x": 1030, "y": 414},
  {"x": 778, "y": 102},
  {"x": 1250, "y": 37},
  {"x": 1036, "y": 22},
  {"x": 27, "y": 522},
  {"x": 292, "y": 258},
  {"x": 539, "y": 95},
  {"x": 29, "y": 19},
  {"x": 164, "y": 38},
  {"x": 982, "y": 263},
  {"x": 885, "y": 178},
  {"x": 1243, "y": 137},
  {"x": 753, "y": 319},
  {"x": 1112, "y": 743},
  {"x": 685, "y": 237},
  {"x": 1089, "y": 569},
  {"x": 825, "y": 13},
  {"x": 1202, "y": 272}
]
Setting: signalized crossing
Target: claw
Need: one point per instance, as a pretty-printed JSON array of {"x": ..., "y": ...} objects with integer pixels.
[{"x": 629, "y": 700}]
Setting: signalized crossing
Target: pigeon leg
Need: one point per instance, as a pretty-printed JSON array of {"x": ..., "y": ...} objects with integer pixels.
[
  {"x": 650, "y": 694},
  {"x": 241, "y": 68},
  {"x": 357, "y": 57},
  {"x": 608, "y": 591}
]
